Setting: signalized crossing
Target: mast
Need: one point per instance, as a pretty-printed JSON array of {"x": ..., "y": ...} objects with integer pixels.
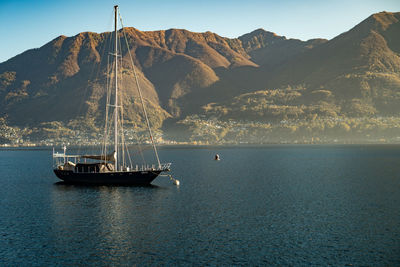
[{"x": 116, "y": 91}]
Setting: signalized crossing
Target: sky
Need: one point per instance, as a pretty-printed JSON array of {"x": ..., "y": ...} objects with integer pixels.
[{"x": 27, "y": 24}]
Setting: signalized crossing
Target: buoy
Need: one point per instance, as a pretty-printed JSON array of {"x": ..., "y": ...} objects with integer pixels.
[{"x": 174, "y": 181}]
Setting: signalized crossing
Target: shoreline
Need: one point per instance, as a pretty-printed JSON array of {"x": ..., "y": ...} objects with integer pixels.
[{"x": 190, "y": 145}]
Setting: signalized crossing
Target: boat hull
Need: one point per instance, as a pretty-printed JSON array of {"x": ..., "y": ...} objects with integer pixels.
[{"x": 108, "y": 178}]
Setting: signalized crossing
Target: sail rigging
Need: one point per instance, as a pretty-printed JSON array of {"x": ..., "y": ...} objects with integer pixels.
[
  {"x": 113, "y": 168},
  {"x": 140, "y": 95}
]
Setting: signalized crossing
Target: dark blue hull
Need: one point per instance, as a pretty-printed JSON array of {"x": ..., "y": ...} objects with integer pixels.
[{"x": 108, "y": 178}]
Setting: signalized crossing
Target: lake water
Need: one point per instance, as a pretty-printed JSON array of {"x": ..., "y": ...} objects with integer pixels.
[{"x": 272, "y": 205}]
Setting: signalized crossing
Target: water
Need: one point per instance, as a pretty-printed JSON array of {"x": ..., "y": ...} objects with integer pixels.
[{"x": 274, "y": 205}]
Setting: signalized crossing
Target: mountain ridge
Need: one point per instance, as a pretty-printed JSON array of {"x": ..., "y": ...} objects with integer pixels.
[{"x": 185, "y": 73}]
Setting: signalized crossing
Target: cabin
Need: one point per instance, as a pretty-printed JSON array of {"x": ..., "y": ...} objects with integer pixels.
[{"x": 94, "y": 167}]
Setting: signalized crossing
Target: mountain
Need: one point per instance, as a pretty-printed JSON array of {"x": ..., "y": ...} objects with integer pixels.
[
  {"x": 362, "y": 64},
  {"x": 175, "y": 61},
  {"x": 260, "y": 77},
  {"x": 171, "y": 63},
  {"x": 268, "y": 49},
  {"x": 358, "y": 72}
]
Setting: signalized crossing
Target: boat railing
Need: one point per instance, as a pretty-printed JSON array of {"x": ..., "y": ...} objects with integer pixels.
[
  {"x": 144, "y": 167},
  {"x": 153, "y": 167}
]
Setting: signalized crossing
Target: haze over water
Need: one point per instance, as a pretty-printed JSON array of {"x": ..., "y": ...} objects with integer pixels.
[{"x": 273, "y": 205}]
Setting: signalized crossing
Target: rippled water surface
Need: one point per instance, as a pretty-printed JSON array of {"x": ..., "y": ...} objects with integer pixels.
[{"x": 273, "y": 205}]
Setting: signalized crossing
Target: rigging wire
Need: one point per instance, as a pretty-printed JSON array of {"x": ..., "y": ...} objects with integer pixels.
[
  {"x": 104, "y": 150},
  {"x": 121, "y": 103},
  {"x": 108, "y": 121},
  {"x": 140, "y": 95},
  {"x": 85, "y": 91},
  {"x": 124, "y": 145},
  {"x": 108, "y": 88}
]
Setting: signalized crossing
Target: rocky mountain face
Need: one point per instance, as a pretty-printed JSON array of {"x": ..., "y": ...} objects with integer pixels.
[{"x": 259, "y": 76}]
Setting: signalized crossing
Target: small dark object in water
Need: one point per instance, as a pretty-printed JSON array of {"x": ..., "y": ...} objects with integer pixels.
[{"x": 216, "y": 157}]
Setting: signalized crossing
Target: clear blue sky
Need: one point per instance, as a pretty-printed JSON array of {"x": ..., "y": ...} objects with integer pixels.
[{"x": 30, "y": 24}]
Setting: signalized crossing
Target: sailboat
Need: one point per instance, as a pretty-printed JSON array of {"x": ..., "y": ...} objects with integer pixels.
[{"x": 111, "y": 168}]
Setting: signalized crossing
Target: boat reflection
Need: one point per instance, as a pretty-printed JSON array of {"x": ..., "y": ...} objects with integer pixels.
[
  {"x": 116, "y": 219},
  {"x": 64, "y": 185}
]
